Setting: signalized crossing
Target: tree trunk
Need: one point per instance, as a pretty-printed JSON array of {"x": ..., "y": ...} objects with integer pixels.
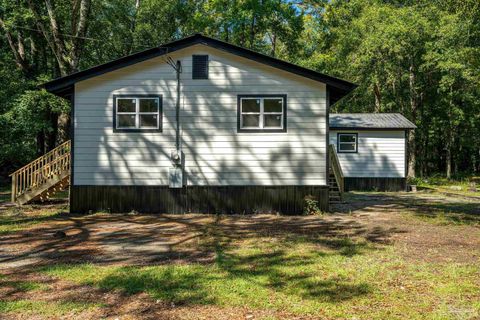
[
  {"x": 81, "y": 29},
  {"x": 411, "y": 154},
  {"x": 17, "y": 50},
  {"x": 411, "y": 137},
  {"x": 133, "y": 27},
  {"x": 252, "y": 32},
  {"x": 274, "y": 44},
  {"x": 449, "y": 160},
  {"x": 40, "y": 143},
  {"x": 378, "y": 98}
]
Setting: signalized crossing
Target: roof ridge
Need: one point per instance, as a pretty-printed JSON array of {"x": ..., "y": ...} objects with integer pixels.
[{"x": 64, "y": 85}]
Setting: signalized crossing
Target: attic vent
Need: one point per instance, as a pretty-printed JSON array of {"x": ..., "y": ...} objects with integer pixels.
[{"x": 200, "y": 67}]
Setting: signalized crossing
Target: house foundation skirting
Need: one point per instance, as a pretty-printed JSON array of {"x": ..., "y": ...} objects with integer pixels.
[
  {"x": 375, "y": 184},
  {"x": 196, "y": 199}
]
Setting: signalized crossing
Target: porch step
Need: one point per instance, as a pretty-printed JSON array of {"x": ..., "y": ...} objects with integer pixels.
[
  {"x": 334, "y": 195},
  {"x": 47, "y": 190},
  {"x": 43, "y": 177}
]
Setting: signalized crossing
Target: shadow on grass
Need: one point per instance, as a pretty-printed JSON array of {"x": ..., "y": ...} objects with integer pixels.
[
  {"x": 262, "y": 280},
  {"x": 425, "y": 204},
  {"x": 22, "y": 218},
  {"x": 255, "y": 260},
  {"x": 172, "y": 283}
]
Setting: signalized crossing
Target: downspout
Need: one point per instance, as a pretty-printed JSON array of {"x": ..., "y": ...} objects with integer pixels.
[
  {"x": 176, "y": 177},
  {"x": 178, "y": 69}
]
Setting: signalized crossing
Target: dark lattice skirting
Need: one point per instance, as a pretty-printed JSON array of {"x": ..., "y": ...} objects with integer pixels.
[{"x": 205, "y": 199}]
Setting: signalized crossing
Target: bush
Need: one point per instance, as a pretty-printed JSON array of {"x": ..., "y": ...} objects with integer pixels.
[{"x": 311, "y": 206}]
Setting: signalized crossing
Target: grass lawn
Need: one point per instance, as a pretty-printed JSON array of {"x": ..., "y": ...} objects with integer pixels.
[
  {"x": 384, "y": 256},
  {"x": 14, "y": 219},
  {"x": 449, "y": 186}
]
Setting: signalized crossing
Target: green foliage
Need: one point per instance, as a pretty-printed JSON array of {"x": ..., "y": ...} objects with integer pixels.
[
  {"x": 311, "y": 206},
  {"x": 419, "y": 58},
  {"x": 34, "y": 113}
]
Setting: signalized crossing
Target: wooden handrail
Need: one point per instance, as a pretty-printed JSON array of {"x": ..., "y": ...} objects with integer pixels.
[
  {"x": 66, "y": 144},
  {"x": 41, "y": 170},
  {"x": 337, "y": 168}
]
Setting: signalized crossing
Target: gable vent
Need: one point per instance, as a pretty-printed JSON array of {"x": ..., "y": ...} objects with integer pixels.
[{"x": 200, "y": 67}]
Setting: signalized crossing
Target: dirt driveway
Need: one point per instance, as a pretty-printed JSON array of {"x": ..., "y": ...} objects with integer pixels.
[
  {"x": 420, "y": 227},
  {"x": 154, "y": 239}
]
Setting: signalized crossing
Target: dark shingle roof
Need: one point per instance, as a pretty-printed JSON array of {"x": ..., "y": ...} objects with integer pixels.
[
  {"x": 63, "y": 86},
  {"x": 369, "y": 121}
]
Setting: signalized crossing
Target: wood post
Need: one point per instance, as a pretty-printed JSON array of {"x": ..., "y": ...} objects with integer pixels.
[
  {"x": 14, "y": 187},
  {"x": 41, "y": 170}
]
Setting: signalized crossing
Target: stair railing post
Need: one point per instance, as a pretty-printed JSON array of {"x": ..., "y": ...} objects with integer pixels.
[{"x": 14, "y": 187}]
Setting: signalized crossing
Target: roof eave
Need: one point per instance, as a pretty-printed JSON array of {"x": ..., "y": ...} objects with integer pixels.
[
  {"x": 372, "y": 128},
  {"x": 340, "y": 87}
]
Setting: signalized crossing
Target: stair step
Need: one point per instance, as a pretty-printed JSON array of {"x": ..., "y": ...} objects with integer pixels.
[{"x": 46, "y": 190}]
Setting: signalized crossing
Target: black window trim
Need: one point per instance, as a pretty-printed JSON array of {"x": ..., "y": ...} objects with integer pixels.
[
  {"x": 356, "y": 142},
  {"x": 194, "y": 75},
  {"x": 239, "y": 113},
  {"x": 136, "y": 95}
]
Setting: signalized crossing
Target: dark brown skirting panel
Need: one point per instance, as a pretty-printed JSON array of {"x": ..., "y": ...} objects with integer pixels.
[
  {"x": 196, "y": 199},
  {"x": 375, "y": 184}
]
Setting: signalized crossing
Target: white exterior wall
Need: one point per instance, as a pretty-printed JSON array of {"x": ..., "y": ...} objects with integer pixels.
[
  {"x": 381, "y": 154},
  {"x": 215, "y": 154}
]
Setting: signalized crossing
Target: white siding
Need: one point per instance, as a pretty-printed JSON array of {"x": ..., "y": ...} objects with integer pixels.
[
  {"x": 380, "y": 154},
  {"x": 215, "y": 154}
]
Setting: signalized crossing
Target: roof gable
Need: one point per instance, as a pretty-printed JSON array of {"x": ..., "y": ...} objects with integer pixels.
[{"x": 63, "y": 86}]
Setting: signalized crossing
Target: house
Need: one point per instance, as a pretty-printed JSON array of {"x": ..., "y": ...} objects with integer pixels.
[
  {"x": 201, "y": 125},
  {"x": 372, "y": 149}
]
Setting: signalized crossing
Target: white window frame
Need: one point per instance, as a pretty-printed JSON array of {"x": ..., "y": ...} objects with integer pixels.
[
  {"x": 339, "y": 143},
  {"x": 137, "y": 113},
  {"x": 262, "y": 113}
]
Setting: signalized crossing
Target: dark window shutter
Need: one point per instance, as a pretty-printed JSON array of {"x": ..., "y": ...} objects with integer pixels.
[{"x": 200, "y": 67}]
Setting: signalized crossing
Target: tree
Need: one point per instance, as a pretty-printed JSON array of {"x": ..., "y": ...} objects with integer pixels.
[{"x": 419, "y": 58}]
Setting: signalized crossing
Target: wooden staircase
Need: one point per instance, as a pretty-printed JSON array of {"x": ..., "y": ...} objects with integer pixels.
[
  {"x": 335, "y": 177},
  {"x": 42, "y": 177}
]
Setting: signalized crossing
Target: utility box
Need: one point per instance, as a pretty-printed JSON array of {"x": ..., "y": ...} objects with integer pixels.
[{"x": 175, "y": 177}]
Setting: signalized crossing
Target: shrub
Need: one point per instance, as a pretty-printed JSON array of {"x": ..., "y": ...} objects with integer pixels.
[{"x": 311, "y": 206}]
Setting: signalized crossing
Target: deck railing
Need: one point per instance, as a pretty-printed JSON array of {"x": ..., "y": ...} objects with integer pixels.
[
  {"x": 336, "y": 168},
  {"x": 40, "y": 170}
]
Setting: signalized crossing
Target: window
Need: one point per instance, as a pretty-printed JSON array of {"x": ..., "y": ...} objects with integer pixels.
[
  {"x": 137, "y": 113},
  {"x": 262, "y": 113},
  {"x": 347, "y": 142},
  {"x": 200, "y": 67}
]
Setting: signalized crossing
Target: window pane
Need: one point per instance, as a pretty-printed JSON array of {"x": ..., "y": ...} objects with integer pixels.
[
  {"x": 347, "y": 138},
  {"x": 250, "y": 105},
  {"x": 272, "y": 105},
  {"x": 148, "y": 105},
  {"x": 251, "y": 120},
  {"x": 126, "y": 121},
  {"x": 126, "y": 105},
  {"x": 272, "y": 121},
  {"x": 347, "y": 147},
  {"x": 148, "y": 121}
]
